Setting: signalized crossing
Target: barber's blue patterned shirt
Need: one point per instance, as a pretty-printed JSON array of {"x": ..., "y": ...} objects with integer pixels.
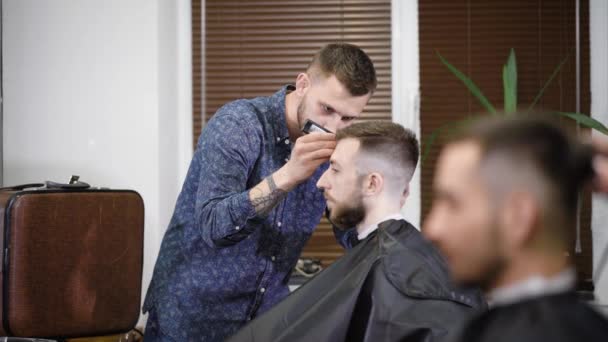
[{"x": 220, "y": 265}]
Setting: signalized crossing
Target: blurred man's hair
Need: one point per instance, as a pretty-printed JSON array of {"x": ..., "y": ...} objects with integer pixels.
[
  {"x": 395, "y": 146},
  {"x": 537, "y": 154},
  {"x": 351, "y": 66}
]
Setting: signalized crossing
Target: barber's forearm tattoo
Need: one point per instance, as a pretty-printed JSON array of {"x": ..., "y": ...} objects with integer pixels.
[{"x": 263, "y": 203}]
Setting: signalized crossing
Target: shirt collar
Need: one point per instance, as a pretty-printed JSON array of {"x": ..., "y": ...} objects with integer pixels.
[
  {"x": 533, "y": 286},
  {"x": 277, "y": 114},
  {"x": 365, "y": 231}
]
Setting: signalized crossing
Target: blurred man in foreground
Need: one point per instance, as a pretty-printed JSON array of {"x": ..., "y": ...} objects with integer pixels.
[{"x": 505, "y": 206}]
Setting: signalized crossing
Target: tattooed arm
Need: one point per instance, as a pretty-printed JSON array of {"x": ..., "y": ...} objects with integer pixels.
[
  {"x": 224, "y": 209},
  {"x": 309, "y": 152},
  {"x": 266, "y": 196}
]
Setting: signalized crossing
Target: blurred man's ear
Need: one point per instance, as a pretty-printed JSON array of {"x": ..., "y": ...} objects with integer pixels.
[
  {"x": 521, "y": 214},
  {"x": 404, "y": 195}
]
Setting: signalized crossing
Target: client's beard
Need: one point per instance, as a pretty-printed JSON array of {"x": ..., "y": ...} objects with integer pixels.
[{"x": 346, "y": 216}]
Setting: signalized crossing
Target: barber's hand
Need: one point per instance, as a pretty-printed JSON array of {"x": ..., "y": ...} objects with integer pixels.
[
  {"x": 309, "y": 151},
  {"x": 600, "y": 164}
]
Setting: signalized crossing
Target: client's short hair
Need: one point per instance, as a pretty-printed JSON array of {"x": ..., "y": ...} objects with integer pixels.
[{"x": 390, "y": 143}]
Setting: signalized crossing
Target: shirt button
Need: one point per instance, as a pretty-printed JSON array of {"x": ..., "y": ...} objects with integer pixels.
[
  {"x": 278, "y": 139},
  {"x": 262, "y": 290},
  {"x": 237, "y": 227},
  {"x": 273, "y": 258},
  {"x": 286, "y": 159},
  {"x": 286, "y": 141},
  {"x": 279, "y": 223}
]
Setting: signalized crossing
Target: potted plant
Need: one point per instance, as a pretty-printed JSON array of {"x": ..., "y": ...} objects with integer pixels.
[{"x": 509, "y": 80}]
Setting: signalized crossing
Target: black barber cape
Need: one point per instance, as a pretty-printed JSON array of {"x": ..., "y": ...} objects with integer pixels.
[
  {"x": 555, "y": 318},
  {"x": 392, "y": 286}
]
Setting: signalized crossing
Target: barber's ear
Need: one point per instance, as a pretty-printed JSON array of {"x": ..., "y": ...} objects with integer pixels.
[
  {"x": 374, "y": 183},
  {"x": 303, "y": 83},
  {"x": 521, "y": 216}
]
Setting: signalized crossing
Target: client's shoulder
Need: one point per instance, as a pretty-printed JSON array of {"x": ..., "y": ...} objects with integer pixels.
[{"x": 416, "y": 267}]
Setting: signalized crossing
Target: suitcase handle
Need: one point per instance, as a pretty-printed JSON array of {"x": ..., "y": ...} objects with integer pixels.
[
  {"x": 64, "y": 186},
  {"x": 74, "y": 184},
  {"x": 47, "y": 185},
  {"x": 22, "y": 186}
]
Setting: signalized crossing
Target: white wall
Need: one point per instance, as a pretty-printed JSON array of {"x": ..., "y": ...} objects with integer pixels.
[
  {"x": 599, "y": 110},
  {"x": 100, "y": 89},
  {"x": 406, "y": 87}
]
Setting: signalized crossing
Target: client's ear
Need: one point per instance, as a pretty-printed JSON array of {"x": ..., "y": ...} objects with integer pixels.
[{"x": 374, "y": 184}]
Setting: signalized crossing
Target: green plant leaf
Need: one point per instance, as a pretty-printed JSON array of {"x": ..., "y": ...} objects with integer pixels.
[
  {"x": 509, "y": 83},
  {"x": 542, "y": 90},
  {"x": 586, "y": 121},
  {"x": 469, "y": 84},
  {"x": 430, "y": 140}
]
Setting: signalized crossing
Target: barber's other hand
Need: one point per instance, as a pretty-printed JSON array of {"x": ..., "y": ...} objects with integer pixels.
[{"x": 308, "y": 153}]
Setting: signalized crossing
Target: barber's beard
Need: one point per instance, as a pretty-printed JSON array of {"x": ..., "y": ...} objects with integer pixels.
[
  {"x": 300, "y": 112},
  {"x": 347, "y": 216}
]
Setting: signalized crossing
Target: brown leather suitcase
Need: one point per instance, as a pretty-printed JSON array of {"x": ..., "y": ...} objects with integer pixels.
[{"x": 71, "y": 261}]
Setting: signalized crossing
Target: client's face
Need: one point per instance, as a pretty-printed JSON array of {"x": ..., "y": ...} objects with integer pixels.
[
  {"x": 341, "y": 186},
  {"x": 463, "y": 222}
]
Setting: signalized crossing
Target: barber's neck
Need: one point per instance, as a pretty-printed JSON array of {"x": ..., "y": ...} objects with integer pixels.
[{"x": 377, "y": 208}]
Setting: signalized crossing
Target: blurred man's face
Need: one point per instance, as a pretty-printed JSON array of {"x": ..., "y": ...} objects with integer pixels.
[
  {"x": 328, "y": 103},
  {"x": 463, "y": 221},
  {"x": 341, "y": 186}
]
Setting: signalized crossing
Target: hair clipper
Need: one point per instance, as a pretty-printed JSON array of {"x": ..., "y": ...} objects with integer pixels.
[{"x": 311, "y": 126}]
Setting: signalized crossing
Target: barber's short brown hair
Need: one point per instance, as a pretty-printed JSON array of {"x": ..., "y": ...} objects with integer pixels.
[
  {"x": 351, "y": 66},
  {"x": 387, "y": 140}
]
